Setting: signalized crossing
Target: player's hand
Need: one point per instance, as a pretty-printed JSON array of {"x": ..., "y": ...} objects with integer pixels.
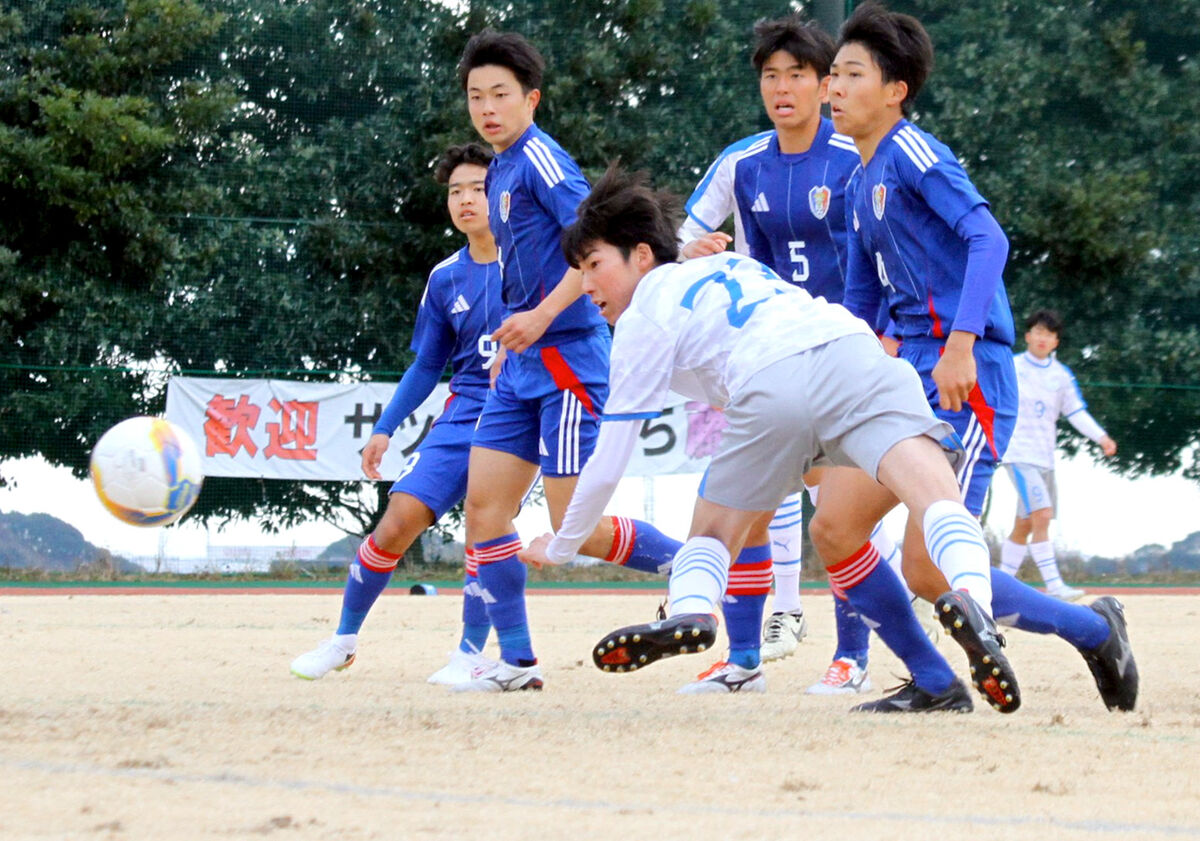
[
  {"x": 521, "y": 329},
  {"x": 497, "y": 364},
  {"x": 955, "y": 372},
  {"x": 1108, "y": 446},
  {"x": 706, "y": 246},
  {"x": 891, "y": 346},
  {"x": 535, "y": 553},
  {"x": 372, "y": 455}
]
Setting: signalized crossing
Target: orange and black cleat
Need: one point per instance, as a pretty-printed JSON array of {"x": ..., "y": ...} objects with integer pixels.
[{"x": 629, "y": 649}]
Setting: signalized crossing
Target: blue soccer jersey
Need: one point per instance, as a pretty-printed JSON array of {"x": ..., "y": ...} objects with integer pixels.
[
  {"x": 533, "y": 189},
  {"x": 904, "y": 210},
  {"x": 460, "y": 308},
  {"x": 792, "y": 209},
  {"x": 788, "y": 209}
]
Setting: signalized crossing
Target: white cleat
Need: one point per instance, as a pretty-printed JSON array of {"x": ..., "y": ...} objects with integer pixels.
[
  {"x": 782, "y": 633},
  {"x": 1067, "y": 593},
  {"x": 843, "y": 677},
  {"x": 502, "y": 677},
  {"x": 724, "y": 678},
  {"x": 463, "y": 666},
  {"x": 333, "y": 655}
]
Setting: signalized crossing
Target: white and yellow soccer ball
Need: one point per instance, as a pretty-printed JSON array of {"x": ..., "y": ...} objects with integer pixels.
[{"x": 147, "y": 471}]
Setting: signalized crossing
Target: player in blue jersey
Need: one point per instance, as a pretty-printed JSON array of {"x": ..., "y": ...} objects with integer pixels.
[
  {"x": 545, "y": 408},
  {"x": 924, "y": 240},
  {"x": 460, "y": 308},
  {"x": 786, "y": 191}
]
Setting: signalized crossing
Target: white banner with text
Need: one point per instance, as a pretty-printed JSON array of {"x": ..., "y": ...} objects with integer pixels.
[{"x": 279, "y": 429}]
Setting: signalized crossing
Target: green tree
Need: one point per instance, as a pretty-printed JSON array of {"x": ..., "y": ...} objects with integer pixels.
[{"x": 1077, "y": 122}]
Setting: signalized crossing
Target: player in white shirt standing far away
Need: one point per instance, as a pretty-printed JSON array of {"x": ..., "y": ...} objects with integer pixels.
[
  {"x": 1047, "y": 391},
  {"x": 802, "y": 382}
]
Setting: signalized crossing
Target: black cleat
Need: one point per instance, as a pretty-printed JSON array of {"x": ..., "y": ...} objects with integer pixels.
[
  {"x": 628, "y": 649},
  {"x": 972, "y": 629},
  {"x": 913, "y": 699},
  {"x": 1112, "y": 662}
]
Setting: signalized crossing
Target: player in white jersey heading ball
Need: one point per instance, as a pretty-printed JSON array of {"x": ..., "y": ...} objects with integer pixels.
[
  {"x": 1047, "y": 391},
  {"x": 802, "y": 382}
]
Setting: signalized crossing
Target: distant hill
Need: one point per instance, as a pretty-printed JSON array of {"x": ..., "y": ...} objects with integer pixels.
[
  {"x": 1182, "y": 556},
  {"x": 42, "y": 541}
]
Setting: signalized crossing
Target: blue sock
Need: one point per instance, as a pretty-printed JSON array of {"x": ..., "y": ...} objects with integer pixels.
[
  {"x": 880, "y": 599},
  {"x": 476, "y": 626},
  {"x": 639, "y": 545},
  {"x": 503, "y": 580},
  {"x": 853, "y": 635},
  {"x": 1021, "y": 606},
  {"x": 364, "y": 584},
  {"x": 743, "y": 604}
]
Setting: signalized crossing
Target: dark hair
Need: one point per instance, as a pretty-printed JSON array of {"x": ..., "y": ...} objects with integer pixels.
[
  {"x": 805, "y": 42},
  {"x": 898, "y": 43},
  {"x": 623, "y": 210},
  {"x": 505, "y": 49},
  {"x": 1047, "y": 318},
  {"x": 456, "y": 156}
]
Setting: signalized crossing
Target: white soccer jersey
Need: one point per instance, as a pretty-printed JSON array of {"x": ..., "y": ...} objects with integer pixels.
[
  {"x": 1047, "y": 391},
  {"x": 703, "y": 327}
]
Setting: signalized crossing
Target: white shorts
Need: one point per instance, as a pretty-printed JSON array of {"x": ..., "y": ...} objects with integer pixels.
[
  {"x": 1035, "y": 488},
  {"x": 844, "y": 403}
]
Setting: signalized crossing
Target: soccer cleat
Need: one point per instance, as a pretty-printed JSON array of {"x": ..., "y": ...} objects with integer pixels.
[
  {"x": 1112, "y": 662},
  {"x": 332, "y": 655},
  {"x": 972, "y": 629},
  {"x": 913, "y": 699},
  {"x": 843, "y": 677},
  {"x": 782, "y": 632},
  {"x": 628, "y": 649},
  {"x": 463, "y": 666},
  {"x": 502, "y": 677},
  {"x": 1067, "y": 593},
  {"x": 726, "y": 677}
]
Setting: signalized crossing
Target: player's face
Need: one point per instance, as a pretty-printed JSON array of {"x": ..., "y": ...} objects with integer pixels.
[
  {"x": 610, "y": 278},
  {"x": 860, "y": 102},
  {"x": 791, "y": 94},
  {"x": 466, "y": 199},
  {"x": 500, "y": 110},
  {"x": 1040, "y": 341}
]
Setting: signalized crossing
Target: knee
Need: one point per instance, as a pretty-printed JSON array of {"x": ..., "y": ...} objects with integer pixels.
[{"x": 830, "y": 538}]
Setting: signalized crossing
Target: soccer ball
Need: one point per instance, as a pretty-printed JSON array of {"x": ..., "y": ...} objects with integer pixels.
[{"x": 147, "y": 471}]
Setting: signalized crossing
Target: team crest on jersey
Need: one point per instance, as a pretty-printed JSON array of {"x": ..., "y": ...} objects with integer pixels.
[
  {"x": 878, "y": 197},
  {"x": 505, "y": 205},
  {"x": 818, "y": 201}
]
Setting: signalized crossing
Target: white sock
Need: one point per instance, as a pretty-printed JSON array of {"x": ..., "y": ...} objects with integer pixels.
[
  {"x": 956, "y": 545},
  {"x": 1012, "y": 555},
  {"x": 1047, "y": 564},
  {"x": 787, "y": 529},
  {"x": 890, "y": 553},
  {"x": 699, "y": 575}
]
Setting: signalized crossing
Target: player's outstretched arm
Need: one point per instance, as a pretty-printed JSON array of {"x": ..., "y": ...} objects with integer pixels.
[{"x": 597, "y": 482}]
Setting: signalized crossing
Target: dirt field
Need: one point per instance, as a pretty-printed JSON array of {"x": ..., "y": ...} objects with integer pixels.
[{"x": 174, "y": 716}]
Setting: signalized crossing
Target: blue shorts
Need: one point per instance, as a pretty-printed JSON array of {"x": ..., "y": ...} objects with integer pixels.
[
  {"x": 436, "y": 471},
  {"x": 546, "y": 406},
  {"x": 985, "y": 422}
]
